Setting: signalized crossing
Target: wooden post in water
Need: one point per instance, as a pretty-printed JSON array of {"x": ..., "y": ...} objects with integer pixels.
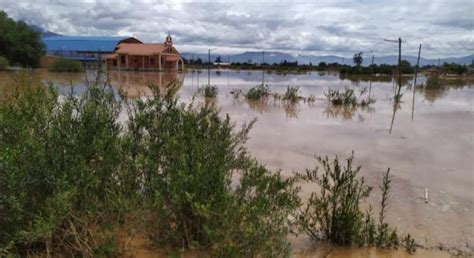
[
  {"x": 209, "y": 69},
  {"x": 399, "y": 67},
  {"x": 263, "y": 70},
  {"x": 414, "y": 83},
  {"x": 397, "y": 93}
]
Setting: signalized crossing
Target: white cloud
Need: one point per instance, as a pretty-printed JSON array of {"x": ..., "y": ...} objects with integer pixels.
[{"x": 325, "y": 27}]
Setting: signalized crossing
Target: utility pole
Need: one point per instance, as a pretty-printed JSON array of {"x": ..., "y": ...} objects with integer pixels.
[
  {"x": 414, "y": 83},
  {"x": 263, "y": 69},
  {"x": 399, "y": 66},
  {"x": 209, "y": 69}
]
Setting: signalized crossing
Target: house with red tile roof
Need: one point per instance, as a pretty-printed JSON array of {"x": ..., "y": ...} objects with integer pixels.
[{"x": 145, "y": 56}]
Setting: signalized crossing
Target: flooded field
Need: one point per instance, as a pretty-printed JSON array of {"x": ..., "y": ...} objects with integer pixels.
[{"x": 428, "y": 141}]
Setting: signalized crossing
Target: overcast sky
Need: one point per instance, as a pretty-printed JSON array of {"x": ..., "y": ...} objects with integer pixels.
[{"x": 445, "y": 28}]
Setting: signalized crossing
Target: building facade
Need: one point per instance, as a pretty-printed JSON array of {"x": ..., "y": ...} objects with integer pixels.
[{"x": 131, "y": 56}]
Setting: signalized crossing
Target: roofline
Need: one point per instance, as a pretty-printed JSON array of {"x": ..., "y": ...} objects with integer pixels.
[{"x": 105, "y": 38}]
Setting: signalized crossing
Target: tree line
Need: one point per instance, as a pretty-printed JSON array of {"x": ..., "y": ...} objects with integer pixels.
[{"x": 20, "y": 45}]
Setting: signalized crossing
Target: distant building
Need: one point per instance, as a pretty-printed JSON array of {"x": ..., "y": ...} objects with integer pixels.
[
  {"x": 145, "y": 56},
  {"x": 86, "y": 49}
]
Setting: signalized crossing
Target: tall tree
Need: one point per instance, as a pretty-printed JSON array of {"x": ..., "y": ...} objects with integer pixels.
[
  {"x": 19, "y": 43},
  {"x": 358, "y": 58},
  {"x": 218, "y": 60}
]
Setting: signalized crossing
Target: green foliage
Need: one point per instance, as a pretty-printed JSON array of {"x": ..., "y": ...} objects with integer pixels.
[
  {"x": 358, "y": 59},
  {"x": 335, "y": 214},
  {"x": 406, "y": 68},
  {"x": 410, "y": 244},
  {"x": 454, "y": 68},
  {"x": 209, "y": 91},
  {"x": 371, "y": 69},
  {"x": 348, "y": 98},
  {"x": 183, "y": 168},
  {"x": 258, "y": 92},
  {"x": 64, "y": 157},
  {"x": 3, "y": 63},
  {"x": 292, "y": 94},
  {"x": 20, "y": 44},
  {"x": 190, "y": 184},
  {"x": 66, "y": 65}
]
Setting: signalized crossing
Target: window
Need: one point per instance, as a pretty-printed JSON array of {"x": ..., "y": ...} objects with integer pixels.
[
  {"x": 152, "y": 61},
  {"x": 122, "y": 59},
  {"x": 114, "y": 62}
]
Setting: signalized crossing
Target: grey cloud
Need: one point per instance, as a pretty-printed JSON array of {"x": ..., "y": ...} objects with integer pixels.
[{"x": 323, "y": 27}]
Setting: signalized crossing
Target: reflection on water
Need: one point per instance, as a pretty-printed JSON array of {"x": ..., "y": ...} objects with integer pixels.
[
  {"x": 348, "y": 112},
  {"x": 433, "y": 151}
]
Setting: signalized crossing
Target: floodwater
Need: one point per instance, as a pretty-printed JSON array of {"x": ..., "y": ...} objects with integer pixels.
[{"x": 428, "y": 142}]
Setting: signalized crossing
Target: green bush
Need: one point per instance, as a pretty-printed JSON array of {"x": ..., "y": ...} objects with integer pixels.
[
  {"x": 258, "y": 92},
  {"x": 182, "y": 168},
  {"x": 335, "y": 214},
  {"x": 65, "y": 157},
  {"x": 66, "y": 65},
  {"x": 3, "y": 63},
  {"x": 190, "y": 184}
]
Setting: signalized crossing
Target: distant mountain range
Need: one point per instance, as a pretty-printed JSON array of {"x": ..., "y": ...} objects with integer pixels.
[
  {"x": 44, "y": 33},
  {"x": 277, "y": 57}
]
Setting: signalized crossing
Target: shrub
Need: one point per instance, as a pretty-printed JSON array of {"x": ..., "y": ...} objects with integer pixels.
[
  {"x": 335, "y": 213},
  {"x": 348, "y": 98},
  {"x": 182, "y": 168},
  {"x": 258, "y": 92},
  {"x": 65, "y": 157},
  {"x": 209, "y": 91},
  {"x": 66, "y": 65},
  {"x": 292, "y": 94},
  {"x": 3, "y": 63},
  {"x": 190, "y": 184}
]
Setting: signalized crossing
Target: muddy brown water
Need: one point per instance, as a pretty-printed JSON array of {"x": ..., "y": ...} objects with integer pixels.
[{"x": 428, "y": 143}]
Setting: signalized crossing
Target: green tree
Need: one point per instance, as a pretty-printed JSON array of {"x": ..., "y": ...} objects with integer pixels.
[
  {"x": 20, "y": 44},
  {"x": 3, "y": 63},
  {"x": 358, "y": 58},
  {"x": 406, "y": 67}
]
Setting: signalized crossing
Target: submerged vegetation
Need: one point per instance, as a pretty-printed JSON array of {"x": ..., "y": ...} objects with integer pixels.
[
  {"x": 177, "y": 174},
  {"x": 258, "y": 92},
  {"x": 208, "y": 91},
  {"x": 335, "y": 213},
  {"x": 292, "y": 94},
  {"x": 66, "y": 65},
  {"x": 348, "y": 97}
]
